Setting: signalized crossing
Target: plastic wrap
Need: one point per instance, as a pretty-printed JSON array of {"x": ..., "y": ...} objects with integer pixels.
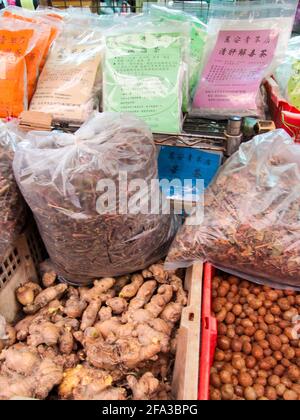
[
  {"x": 59, "y": 176},
  {"x": 18, "y": 41},
  {"x": 34, "y": 58},
  {"x": 12, "y": 205},
  {"x": 251, "y": 221},
  {"x": 288, "y": 73},
  {"x": 70, "y": 84},
  {"x": 246, "y": 41},
  {"x": 50, "y": 28},
  {"x": 145, "y": 72}
]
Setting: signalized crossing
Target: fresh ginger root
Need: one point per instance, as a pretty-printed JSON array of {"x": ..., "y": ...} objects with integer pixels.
[
  {"x": 86, "y": 383},
  {"x": 98, "y": 336},
  {"x": 43, "y": 332},
  {"x": 105, "y": 313},
  {"x": 49, "y": 279},
  {"x": 25, "y": 374},
  {"x": 27, "y": 293},
  {"x": 90, "y": 314},
  {"x": 100, "y": 287},
  {"x": 45, "y": 297},
  {"x": 117, "y": 304},
  {"x": 159, "y": 273},
  {"x": 143, "y": 295},
  {"x": 130, "y": 290},
  {"x": 75, "y": 307},
  {"x": 143, "y": 388}
]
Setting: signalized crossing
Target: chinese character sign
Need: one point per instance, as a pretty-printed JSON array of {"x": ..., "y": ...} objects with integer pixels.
[{"x": 234, "y": 71}]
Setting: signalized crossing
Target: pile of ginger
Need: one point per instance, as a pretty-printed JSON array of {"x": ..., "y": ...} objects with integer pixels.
[{"x": 115, "y": 340}]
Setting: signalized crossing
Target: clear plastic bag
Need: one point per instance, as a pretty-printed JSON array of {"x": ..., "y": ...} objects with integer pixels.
[
  {"x": 198, "y": 35},
  {"x": 70, "y": 85},
  {"x": 246, "y": 41},
  {"x": 251, "y": 221},
  {"x": 59, "y": 176},
  {"x": 145, "y": 72},
  {"x": 12, "y": 205},
  {"x": 287, "y": 74},
  {"x": 18, "y": 42}
]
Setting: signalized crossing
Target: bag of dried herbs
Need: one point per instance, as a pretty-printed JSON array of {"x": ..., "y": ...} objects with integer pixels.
[
  {"x": 251, "y": 224},
  {"x": 72, "y": 184},
  {"x": 12, "y": 205}
]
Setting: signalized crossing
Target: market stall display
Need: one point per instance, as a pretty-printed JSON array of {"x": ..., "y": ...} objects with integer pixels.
[
  {"x": 251, "y": 223},
  {"x": 84, "y": 240}
]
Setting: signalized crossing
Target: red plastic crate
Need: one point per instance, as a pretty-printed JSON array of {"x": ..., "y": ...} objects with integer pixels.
[
  {"x": 208, "y": 335},
  {"x": 282, "y": 113}
]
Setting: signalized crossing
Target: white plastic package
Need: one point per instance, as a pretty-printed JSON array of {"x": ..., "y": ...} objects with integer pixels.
[{"x": 246, "y": 41}]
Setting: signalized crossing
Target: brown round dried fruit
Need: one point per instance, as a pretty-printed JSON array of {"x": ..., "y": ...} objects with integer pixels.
[
  {"x": 280, "y": 389},
  {"x": 250, "y": 394},
  {"x": 257, "y": 352},
  {"x": 215, "y": 394},
  {"x": 245, "y": 379},
  {"x": 271, "y": 393},
  {"x": 236, "y": 345},
  {"x": 227, "y": 392},
  {"x": 259, "y": 389},
  {"x": 224, "y": 343},
  {"x": 225, "y": 377},
  {"x": 215, "y": 380},
  {"x": 274, "y": 380},
  {"x": 275, "y": 342},
  {"x": 290, "y": 395},
  {"x": 293, "y": 373},
  {"x": 250, "y": 362},
  {"x": 237, "y": 310},
  {"x": 219, "y": 355},
  {"x": 259, "y": 335}
]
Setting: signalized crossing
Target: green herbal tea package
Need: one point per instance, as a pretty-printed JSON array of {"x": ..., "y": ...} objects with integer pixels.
[
  {"x": 197, "y": 41},
  {"x": 144, "y": 74}
]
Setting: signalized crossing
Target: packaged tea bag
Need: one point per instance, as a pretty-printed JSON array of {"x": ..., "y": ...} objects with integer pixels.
[
  {"x": 70, "y": 85},
  {"x": 197, "y": 40},
  {"x": 246, "y": 41},
  {"x": 144, "y": 73}
]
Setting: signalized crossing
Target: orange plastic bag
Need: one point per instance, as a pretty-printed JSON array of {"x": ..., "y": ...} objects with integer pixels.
[
  {"x": 35, "y": 60},
  {"x": 15, "y": 44}
]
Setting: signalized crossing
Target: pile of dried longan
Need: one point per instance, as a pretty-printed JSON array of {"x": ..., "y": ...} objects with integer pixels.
[{"x": 258, "y": 352}]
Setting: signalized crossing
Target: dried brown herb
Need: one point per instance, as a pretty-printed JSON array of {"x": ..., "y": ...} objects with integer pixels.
[
  {"x": 59, "y": 174},
  {"x": 252, "y": 215},
  {"x": 12, "y": 206}
]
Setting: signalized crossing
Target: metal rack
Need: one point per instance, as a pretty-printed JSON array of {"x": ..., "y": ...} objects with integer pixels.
[{"x": 200, "y": 8}]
